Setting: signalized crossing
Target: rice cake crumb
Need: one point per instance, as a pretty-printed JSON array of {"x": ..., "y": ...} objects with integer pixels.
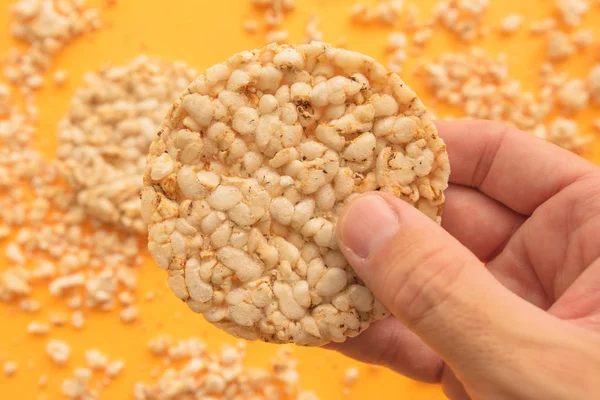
[
  {"x": 60, "y": 77},
  {"x": 351, "y": 376},
  {"x": 464, "y": 19},
  {"x": 58, "y": 351},
  {"x": 10, "y": 368},
  {"x": 572, "y": 11},
  {"x": 593, "y": 81},
  {"x": 29, "y": 305},
  {"x": 573, "y": 96},
  {"x": 77, "y": 387},
  {"x": 14, "y": 281},
  {"x": 219, "y": 374},
  {"x": 274, "y": 14},
  {"x": 244, "y": 221},
  {"x": 559, "y": 46},
  {"x": 119, "y": 104},
  {"x": 311, "y": 31},
  {"x": 59, "y": 247},
  {"x": 251, "y": 26},
  {"x": 114, "y": 368},
  {"x": 75, "y": 302},
  {"x": 583, "y": 38},
  {"x": 565, "y": 133},
  {"x": 422, "y": 36},
  {"x": 129, "y": 314},
  {"x": 46, "y": 27},
  {"x": 13, "y": 254},
  {"x": 307, "y": 396},
  {"x": 38, "y": 328},
  {"x": 511, "y": 23},
  {"x": 277, "y": 36},
  {"x": 159, "y": 345},
  {"x": 396, "y": 61},
  {"x": 78, "y": 320},
  {"x": 481, "y": 86},
  {"x": 95, "y": 359},
  {"x": 58, "y": 319},
  {"x": 126, "y": 298},
  {"x": 542, "y": 26},
  {"x": 385, "y": 12}
]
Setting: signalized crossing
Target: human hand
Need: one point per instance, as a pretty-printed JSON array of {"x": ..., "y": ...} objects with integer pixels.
[{"x": 526, "y": 326}]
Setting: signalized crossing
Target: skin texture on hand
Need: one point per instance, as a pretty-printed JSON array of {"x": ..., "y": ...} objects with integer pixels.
[{"x": 524, "y": 326}]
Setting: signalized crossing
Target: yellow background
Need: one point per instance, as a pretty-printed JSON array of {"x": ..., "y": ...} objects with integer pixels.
[{"x": 203, "y": 32}]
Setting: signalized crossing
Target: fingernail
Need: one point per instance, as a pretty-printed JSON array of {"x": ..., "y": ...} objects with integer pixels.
[{"x": 369, "y": 223}]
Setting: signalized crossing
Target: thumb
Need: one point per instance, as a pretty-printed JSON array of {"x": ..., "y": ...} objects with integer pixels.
[{"x": 427, "y": 279}]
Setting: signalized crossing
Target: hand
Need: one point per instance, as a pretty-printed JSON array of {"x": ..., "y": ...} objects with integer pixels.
[{"x": 527, "y": 325}]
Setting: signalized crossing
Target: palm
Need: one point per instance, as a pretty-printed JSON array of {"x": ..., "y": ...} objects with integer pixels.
[
  {"x": 547, "y": 257},
  {"x": 531, "y": 212}
]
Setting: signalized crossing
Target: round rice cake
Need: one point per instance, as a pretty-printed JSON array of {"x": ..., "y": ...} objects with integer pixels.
[
  {"x": 103, "y": 139},
  {"x": 250, "y": 170}
]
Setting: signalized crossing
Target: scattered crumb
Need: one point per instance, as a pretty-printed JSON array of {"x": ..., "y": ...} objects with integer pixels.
[
  {"x": 75, "y": 302},
  {"x": 10, "y": 368},
  {"x": 274, "y": 14},
  {"x": 463, "y": 18},
  {"x": 559, "y": 46},
  {"x": 126, "y": 298},
  {"x": 480, "y": 85},
  {"x": 77, "y": 387},
  {"x": 114, "y": 368},
  {"x": 583, "y": 38},
  {"x": 129, "y": 314},
  {"x": 351, "y": 376},
  {"x": 46, "y": 27},
  {"x": 29, "y": 305},
  {"x": 311, "y": 31},
  {"x": 422, "y": 36},
  {"x": 396, "y": 40},
  {"x": 38, "y": 328},
  {"x": 593, "y": 81},
  {"x": 43, "y": 270},
  {"x": 307, "y": 396},
  {"x": 572, "y": 11},
  {"x": 13, "y": 254},
  {"x": 573, "y": 96},
  {"x": 58, "y": 351},
  {"x": 60, "y": 77},
  {"x": 511, "y": 23},
  {"x": 397, "y": 60},
  {"x": 542, "y": 26},
  {"x": 77, "y": 320},
  {"x": 58, "y": 319},
  {"x": 95, "y": 359},
  {"x": 214, "y": 375},
  {"x": 385, "y": 12},
  {"x": 159, "y": 345},
  {"x": 251, "y": 26},
  {"x": 277, "y": 36},
  {"x": 563, "y": 132}
]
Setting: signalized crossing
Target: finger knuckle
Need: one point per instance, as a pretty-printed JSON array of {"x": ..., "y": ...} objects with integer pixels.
[{"x": 495, "y": 133}]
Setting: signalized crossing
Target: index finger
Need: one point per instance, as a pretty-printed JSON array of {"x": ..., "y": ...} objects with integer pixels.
[{"x": 509, "y": 165}]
